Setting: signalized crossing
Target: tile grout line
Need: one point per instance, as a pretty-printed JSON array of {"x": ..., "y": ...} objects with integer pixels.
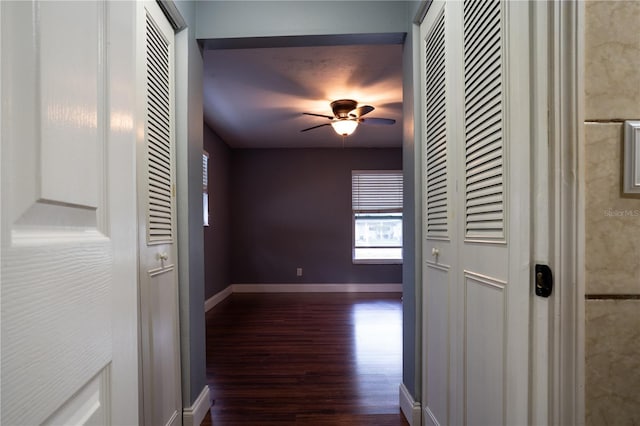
[{"x": 612, "y": 296}]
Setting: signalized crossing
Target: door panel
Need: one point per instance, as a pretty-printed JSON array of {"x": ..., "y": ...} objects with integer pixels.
[
  {"x": 67, "y": 198},
  {"x": 164, "y": 381},
  {"x": 484, "y": 343},
  {"x": 87, "y": 406},
  {"x": 437, "y": 348}
]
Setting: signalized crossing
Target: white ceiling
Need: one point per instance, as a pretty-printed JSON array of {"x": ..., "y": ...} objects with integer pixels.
[{"x": 255, "y": 97}]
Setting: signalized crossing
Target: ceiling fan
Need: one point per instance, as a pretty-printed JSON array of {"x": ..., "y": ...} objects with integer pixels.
[{"x": 346, "y": 117}]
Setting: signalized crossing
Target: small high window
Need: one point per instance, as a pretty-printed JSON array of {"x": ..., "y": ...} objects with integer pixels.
[{"x": 377, "y": 216}]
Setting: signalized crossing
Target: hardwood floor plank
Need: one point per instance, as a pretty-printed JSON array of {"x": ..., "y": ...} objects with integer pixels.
[{"x": 309, "y": 359}]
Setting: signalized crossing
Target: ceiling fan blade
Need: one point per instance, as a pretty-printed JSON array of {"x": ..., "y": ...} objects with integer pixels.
[
  {"x": 318, "y": 115},
  {"x": 361, "y": 110},
  {"x": 386, "y": 121},
  {"x": 315, "y": 127}
]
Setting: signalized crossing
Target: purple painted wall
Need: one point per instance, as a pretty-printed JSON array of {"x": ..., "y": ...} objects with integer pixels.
[
  {"x": 217, "y": 234},
  {"x": 291, "y": 208}
]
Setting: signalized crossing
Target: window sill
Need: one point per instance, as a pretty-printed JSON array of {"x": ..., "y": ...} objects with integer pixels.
[{"x": 377, "y": 261}]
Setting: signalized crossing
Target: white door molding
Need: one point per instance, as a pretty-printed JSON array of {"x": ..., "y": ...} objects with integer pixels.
[{"x": 567, "y": 186}]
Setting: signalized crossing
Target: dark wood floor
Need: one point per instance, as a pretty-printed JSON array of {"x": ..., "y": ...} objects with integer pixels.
[{"x": 309, "y": 359}]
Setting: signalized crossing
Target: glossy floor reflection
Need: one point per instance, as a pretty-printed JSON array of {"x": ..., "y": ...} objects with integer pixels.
[{"x": 312, "y": 359}]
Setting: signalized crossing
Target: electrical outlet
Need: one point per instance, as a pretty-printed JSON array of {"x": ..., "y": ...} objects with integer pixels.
[{"x": 299, "y": 272}]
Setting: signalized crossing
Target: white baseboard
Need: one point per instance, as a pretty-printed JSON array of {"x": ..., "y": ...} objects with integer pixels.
[
  {"x": 193, "y": 416},
  {"x": 409, "y": 407},
  {"x": 217, "y": 298},
  {"x": 300, "y": 288},
  {"x": 317, "y": 288}
]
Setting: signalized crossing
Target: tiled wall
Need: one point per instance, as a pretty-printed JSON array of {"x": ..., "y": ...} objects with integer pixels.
[{"x": 612, "y": 252}]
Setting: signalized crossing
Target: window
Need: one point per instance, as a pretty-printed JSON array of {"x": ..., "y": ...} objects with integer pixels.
[
  {"x": 205, "y": 188},
  {"x": 377, "y": 216}
]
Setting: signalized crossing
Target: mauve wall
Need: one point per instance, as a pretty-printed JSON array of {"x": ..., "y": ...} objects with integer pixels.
[
  {"x": 291, "y": 208},
  {"x": 217, "y": 234}
]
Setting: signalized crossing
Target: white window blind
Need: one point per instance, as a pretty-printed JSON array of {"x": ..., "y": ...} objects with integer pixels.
[
  {"x": 205, "y": 188},
  {"x": 205, "y": 172},
  {"x": 376, "y": 190}
]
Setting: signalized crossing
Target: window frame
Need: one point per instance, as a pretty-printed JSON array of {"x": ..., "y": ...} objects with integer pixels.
[{"x": 354, "y": 213}]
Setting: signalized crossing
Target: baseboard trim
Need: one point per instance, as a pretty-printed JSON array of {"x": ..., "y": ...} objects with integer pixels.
[
  {"x": 317, "y": 288},
  {"x": 217, "y": 298},
  {"x": 409, "y": 407},
  {"x": 193, "y": 416},
  {"x": 300, "y": 288}
]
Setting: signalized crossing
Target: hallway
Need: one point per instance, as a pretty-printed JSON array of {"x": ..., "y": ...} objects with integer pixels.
[{"x": 313, "y": 358}]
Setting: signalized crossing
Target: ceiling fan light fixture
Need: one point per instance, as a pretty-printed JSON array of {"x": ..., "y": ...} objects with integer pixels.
[{"x": 344, "y": 127}]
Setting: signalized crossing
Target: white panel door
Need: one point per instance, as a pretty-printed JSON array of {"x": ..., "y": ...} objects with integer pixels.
[
  {"x": 69, "y": 305},
  {"x": 157, "y": 231},
  {"x": 477, "y": 283}
]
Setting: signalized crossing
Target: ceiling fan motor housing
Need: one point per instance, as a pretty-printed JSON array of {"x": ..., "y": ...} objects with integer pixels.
[{"x": 342, "y": 107}]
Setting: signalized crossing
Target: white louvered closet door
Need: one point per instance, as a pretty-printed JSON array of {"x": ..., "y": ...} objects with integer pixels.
[
  {"x": 438, "y": 132},
  {"x": 476, "y": 257},
  {"x": 160, "y": 338}
]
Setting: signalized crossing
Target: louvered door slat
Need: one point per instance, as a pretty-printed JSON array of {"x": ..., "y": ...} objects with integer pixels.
[
  {"x": 159, "y": 91},
  {"x": 160, "y": 209},
  {"x": 485, "y": 183},
  {"x": 480, "y": 97},
  {"x": 439, "y": 157},
  {"x": 492, "y": 128},
  {"x": 159, "y": 96},
  {"x": 433, "y": 45},
  {"x": 481, "y": 153},
  {"x": 437, "y": 180},
  {"x": 156, "y": 117},
  {"x": 436, "y": 112},
  {"x": 482, "y": 36},
  {"x": 158, "y": 159},
  {"x": 159, "y": 188},
  {"x": 485, "y": 198},
  {"x": 483, "y": 112},
  {"x": 436, "y": 135},
  {"x": 484, "y": 208},
  {"x": 492, "y": 170},
  {"x": 482, "y": 16},
  {"x": 160, "y": 180},
  {"x": 159, "y": 70},
  {"x": 158, "y": 137}
]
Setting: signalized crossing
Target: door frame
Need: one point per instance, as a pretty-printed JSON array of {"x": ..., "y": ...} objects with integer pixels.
[
  {"x": 566, "y": 144},
  {"x": 557, "y": 326}
]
